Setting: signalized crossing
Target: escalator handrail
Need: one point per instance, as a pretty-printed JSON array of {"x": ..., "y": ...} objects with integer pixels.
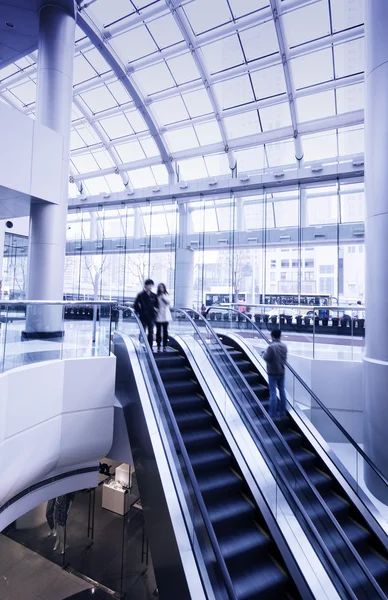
[
  {"x": 280, "y": 475},
  {"x": 356, "y": 446},
  {"x": 193, "y": 481}
]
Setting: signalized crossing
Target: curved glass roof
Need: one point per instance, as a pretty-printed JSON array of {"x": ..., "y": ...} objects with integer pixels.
[{"x": 195, "y": 86}]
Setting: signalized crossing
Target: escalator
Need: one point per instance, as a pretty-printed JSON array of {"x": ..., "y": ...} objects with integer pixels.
[
  {"x": 369, "y": 546},
  {"x": 256, "y": 566}
]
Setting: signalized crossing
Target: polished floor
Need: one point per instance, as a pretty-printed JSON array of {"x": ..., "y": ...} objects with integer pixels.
[
  {"x": 115, "y": 558},
  {"x": 26, "y": 575}
]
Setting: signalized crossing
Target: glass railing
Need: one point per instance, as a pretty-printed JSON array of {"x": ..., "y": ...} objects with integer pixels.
[
  {"x": 75, "y": 330},
  {"x": 327, "y": 430},
  {"x": 289, "y": 475},
  {"x": 319, "y": 332},
  {"x": 203, "y": 540}
]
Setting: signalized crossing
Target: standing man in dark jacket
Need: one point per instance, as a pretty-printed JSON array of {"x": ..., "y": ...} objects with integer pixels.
[
  {"x": 275, "y": 356},
  {"x": 146, "y": 306}
]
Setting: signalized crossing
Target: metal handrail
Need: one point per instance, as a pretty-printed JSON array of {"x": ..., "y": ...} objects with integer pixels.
[
  {"x": 287, "y": 449},
  {"x": 318, "y": 401},
  {"x": 290, "y": 306},
  {"x": 193, "y": 480},
  {"x": 57, "y": 302}
]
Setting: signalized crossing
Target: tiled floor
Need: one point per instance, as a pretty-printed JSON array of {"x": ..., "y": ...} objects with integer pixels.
[{"x": 25, "y": 575}]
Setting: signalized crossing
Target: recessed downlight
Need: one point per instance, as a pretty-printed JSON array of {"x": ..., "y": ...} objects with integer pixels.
[{"x": 10, "y": 25}]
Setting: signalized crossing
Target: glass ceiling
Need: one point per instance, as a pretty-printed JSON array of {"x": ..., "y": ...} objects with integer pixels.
[{"x": 213, "y": 84}]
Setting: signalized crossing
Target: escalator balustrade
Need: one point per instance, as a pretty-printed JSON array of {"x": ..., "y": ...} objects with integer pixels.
[
  {"x": 370, "y": 549},
  {"x": 256, "y": 567}
]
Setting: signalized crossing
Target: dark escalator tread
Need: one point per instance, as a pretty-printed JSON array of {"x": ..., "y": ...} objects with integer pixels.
[
  {"x": 243, "y": 365},
  {"x": 253, "y": 378},
  {"x": 176, "y": 373},
  {"x": 317, "y": 478},
  {"x": 226, "y": 512},
  {"x": 170, "y": 359},
  {"x": 259, "y": 581},
  {"x": 218, "y": 484},
  {"x": 338, "y": 506},
  {"x": 201, "y": 438},
  {"x": 356, "y": 534},
  {"x": 260, "y": 390},
  {"x": 236, "y": 544},
  {"x": 305, "y": 458},
  {"x": 175, "y": 388},
  {"x": 193, "y": 419},
  {"x": 235, "y": 354},
  {"x": 191, "y": 401},
  {"x": 211, "y": 459}
]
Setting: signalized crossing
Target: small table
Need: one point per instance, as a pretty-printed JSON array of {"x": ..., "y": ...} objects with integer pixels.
[{"x": 115, "y": 498}]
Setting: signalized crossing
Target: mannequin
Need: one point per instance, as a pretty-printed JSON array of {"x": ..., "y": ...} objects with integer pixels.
[
  {"x": 61, "y": 510},
  {"x": 50, "y": 517}
]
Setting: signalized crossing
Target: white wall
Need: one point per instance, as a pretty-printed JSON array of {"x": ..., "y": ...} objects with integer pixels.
[
  {"x": 30, "y": 163},
  {"x": 54, "y": 417}
]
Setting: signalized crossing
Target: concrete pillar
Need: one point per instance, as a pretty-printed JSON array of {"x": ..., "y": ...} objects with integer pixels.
[
  {"x": 2, "y": 239},
  {"x": 376, "y": 225},
  {"x": 184, "y": 264},
  {"x": 48, "y": 221}
]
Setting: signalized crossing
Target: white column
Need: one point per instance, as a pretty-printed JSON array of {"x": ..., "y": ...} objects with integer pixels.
[
  {"x": 139, "y": 229},
  {"x": 184, "y": 264},
  {"x": 376, "y": 225},
  {"x": 240, "y": 215},
  {"x": 48, "y": 221}
]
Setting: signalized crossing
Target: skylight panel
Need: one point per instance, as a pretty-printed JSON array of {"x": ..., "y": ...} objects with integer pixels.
[
  {"x": 85, "y": 163},
  {"x": 136, "y": 120},
  {"x": 149, "y": 147},
  {"x": 83, "y": 71},
  {"x": 115, "y": 182},
  {"x": 97, "y": 61},
  {"x": 223, "y": 54},
  {"x": 87, "y": 134},
  {"x": 259, "y": 41},
  {"x": 181, "y": 139},
  {"x": 204, "y": 15},
  {"x": 26, "y": 92},
  {"x": 269, "y": 82},
  {"x": 276, "y": 116},
  {"x": 281, "y": 154},
  {"x": 76, "y": 141},
  {"x": 103, "y": 159},
  {"x": 154, "y": 79},
  {"x": 134, "y": 44},
  {"x": 75, "y": 113},
  {"x": 244, "y": 7},
  {"x": 351, "y": 140},
  {"x": 234, "y": 92},
  {"x": 99, "y": 99},
  {"x": 12, "y": 99},
  {"x": 183, "y": 68},
  {"x": 241, "y": 125},
  {"x": 208, "y": 133},
  {"x": 96, "y": 186},
  {"x": 141, "y": 178},
  {"x": 116, "y": 127},
  {"x": 197, "y": 103},
  {"x": 349, "y": 58},
  {"x": 105, "y": 12},
  {"x": 346, "y": 13},
  {"x": 7, "y": 71},
  {"x": 130, "y": 152},
  {"x": 313, "y": 68},
  {"x": 307, "y": 23},
  {"x": 316, "y": 106},
  {"x": 320, "y": 146},
  {"x": 251, "y": 159},
  {"x": 171, "y": 110},
  {"x": 165, "y": 31},
  {"x": 194, "y": 168},
  {"x": 160, "y": 174},
  {"x": 217, "y": 164},
  {"x": 119, "y": 92},
  {"x": 350, "y": 98}
]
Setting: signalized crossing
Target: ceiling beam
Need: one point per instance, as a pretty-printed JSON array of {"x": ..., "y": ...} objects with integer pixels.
[
  {"x": 275, "y": 135},
  {"x": 97, "y": 38}
]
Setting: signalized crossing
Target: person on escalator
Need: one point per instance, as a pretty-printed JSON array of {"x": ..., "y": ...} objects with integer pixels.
[
  {"x": 146, "y": 306},
  {"x": 275, "y": 356},
  {"x": 163, "y": 317}
]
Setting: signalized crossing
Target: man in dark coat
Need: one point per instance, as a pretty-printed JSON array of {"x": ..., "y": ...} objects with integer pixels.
[{"x": 146, "y": 306}]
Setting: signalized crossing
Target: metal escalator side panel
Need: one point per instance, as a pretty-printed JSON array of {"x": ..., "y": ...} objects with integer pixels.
[{"x": 175, "y": 567}]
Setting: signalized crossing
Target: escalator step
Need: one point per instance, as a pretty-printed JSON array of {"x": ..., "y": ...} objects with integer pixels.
[
  {"x": 253, "y": 379},
  {"x": 357, "y": 535},
  {"x": 170, "y": 359},
  {"x": 243, "y": 365},
  {"x": 235, "y": 545},
  {"x": 358, "y": 580},
  {"x": 264, "y": 580},
  {"x": 377, "y": 565},
  {"x": 218, "y": 483},
  {"x": 335, "y": 504},
  {"x": 235, "y": 354},
  {"x": 260, "y": 390},
  {"x": 225, "y": 513},
  {"x": 201, "y": 438},
  {"x": 320, "y": 480},
  {"x": 191, "y": 401},
  {"x": 181, "y": 388},
  {"x": 175, "y": 373},
  {"x": 304, "y": 458},
  {"x": 193, "y": 419},
  {"x": 211, "y": 459}
]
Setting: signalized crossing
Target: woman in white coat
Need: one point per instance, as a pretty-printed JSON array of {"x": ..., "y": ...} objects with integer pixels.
[{"x": 163, "y": 317}]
